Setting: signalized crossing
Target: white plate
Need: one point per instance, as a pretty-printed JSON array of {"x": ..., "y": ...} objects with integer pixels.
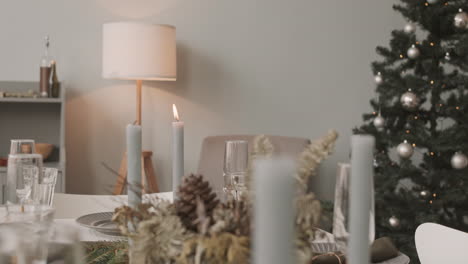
[{"x": 101, "y": 222}]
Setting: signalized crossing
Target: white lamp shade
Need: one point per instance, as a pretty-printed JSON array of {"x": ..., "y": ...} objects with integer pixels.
[{"x": 138, "y": 51}]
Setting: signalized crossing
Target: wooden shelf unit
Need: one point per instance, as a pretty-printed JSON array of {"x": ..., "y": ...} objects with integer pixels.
[{"x": 41, "y": 119}]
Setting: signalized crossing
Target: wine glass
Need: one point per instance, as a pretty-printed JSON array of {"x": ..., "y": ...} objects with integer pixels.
[{"x": 235, "y": 168}]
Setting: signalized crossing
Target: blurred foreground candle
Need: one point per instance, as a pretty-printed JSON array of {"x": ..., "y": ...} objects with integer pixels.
[
  {"x": 134, "y": 165},
  {"x": 177, "y": 151},
  {"x": 274, "y": 211},
  {"x": 362, "y": 172}
]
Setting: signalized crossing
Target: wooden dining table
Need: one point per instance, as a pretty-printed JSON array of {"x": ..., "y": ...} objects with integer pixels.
[{"x": 68, "y": 207}]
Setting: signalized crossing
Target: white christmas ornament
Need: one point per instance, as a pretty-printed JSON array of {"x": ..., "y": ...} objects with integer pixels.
[
  {"x": 413, "y": 52},
  {"x": 405, "y": 150},
  {"x": 459, "y": 161},
  {"x": 409, "y": 28},
  {"x": 394, "y": 222},
  {"x": 379, "y": 122},
  {"x": 409, "y": 100},
  {"x": 461, "y": 19},
  {"x": 378, "y": 78},
  {"x": 432, "y": 1}
]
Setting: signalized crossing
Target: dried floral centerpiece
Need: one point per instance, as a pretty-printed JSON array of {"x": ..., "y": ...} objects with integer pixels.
[{"x": 198, "y": 229}]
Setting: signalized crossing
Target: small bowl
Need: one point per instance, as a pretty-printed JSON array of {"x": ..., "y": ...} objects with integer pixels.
[{"x": 44, "y": 149}]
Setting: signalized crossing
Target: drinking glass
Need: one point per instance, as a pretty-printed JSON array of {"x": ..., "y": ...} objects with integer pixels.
[
  {"x": 44, "y": 191},
  {"x": 17, "y": 162},
  {"x": 235, "y": 169},
  {"x": 24, "y": 232},
  {"x": 25, "y": 182}
]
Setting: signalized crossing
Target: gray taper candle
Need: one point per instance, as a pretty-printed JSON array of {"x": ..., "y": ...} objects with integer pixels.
[
  {"x": 274, "y": 211},
  {"x": 177, "y": 152},
  {"x": 362, "y": 172},
  {"x": 134, "y": 165}
]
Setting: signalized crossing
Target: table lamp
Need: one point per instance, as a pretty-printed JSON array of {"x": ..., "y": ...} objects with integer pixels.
[{"x": 140, "y": 52}]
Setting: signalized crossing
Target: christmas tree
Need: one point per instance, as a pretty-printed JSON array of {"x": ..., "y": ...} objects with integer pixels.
[{"x": 420, "y": 123}]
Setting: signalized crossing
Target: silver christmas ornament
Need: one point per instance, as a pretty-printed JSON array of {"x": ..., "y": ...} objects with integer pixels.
[
  {"x": 447, "y": 56},
  {"x": 459, "y": 161},
  {"x": 409, "y": 28},
  {"x": 424, "y": 194},
  {"x": 409, "y": 100},
  {"x": 405, "y": 150},
  {"x": 378, "y": 78},
  {"x": 461, "y": 19},
  {"x": 379, "y": 122},
  {"x": 394, "y": 222},
  {"x": 432, "y": 1},
  {"x": 413, "y": 52}
]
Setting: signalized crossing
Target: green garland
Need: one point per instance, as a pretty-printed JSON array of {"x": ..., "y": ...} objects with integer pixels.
[{"x": 106, "y": 252}]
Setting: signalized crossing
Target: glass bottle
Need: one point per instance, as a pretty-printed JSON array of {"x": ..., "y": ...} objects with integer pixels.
[
  {"x": 45, "y": 70},
  {"x": 55, "y": 84}
]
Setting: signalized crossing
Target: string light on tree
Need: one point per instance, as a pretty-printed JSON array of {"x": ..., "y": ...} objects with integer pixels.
[
  {"x": 409, "y": 28},
  {"x": 394, "y": 221},
  {"x": 461, "y": 19},
  {"x": 447, "y": 56},
  {"x": 405, "y": 150},
  {"x": 459, "y": 161},
  {"x": 378, "y": 78},
  {"x": 413, "y": 52},
  {"x": 409, "y": 100},
  {"x": 424, "y": 194}
]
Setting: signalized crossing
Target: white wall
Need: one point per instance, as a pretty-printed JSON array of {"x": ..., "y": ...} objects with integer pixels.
[{"x": 285, "y": 67}]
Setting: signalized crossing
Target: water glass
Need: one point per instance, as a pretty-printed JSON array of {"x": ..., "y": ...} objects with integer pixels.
[
  {"x": 24, "y": 232},
  {"x": 25, "y": 182},
  {"x": 44, "y": 190},
  {"x": 18, "y": 166},
  {"x": 236, "y": 157}
]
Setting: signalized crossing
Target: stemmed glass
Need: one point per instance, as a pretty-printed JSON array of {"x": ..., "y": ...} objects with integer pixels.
[{"x": 235, "y": 169}]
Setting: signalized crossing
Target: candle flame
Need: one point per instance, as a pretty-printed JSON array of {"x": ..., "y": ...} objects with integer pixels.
[{"x": 176, "y": 113}]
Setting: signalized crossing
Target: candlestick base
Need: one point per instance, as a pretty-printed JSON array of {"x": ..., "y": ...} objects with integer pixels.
[{"x": 148, "y": 177}]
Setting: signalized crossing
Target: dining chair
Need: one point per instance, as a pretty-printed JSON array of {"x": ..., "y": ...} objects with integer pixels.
[
  {"x": 437, "y": 244},
  {"x": 212, "y": 154}
]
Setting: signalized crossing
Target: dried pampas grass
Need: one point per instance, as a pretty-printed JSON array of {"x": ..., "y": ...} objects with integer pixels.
[
  {"x": 220, "y": 248},
  {"x": 310, "y": 159}
]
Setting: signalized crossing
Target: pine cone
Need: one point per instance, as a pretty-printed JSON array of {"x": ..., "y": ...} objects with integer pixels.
[
  {"x": 192, "y": 187},
  {"x": 233, "y": 217}
]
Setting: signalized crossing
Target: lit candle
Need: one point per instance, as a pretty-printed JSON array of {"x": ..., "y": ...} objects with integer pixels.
[
  {"x": 362, "y": 172},
  {"x": 274, "y": 211},
  {"x": 177, "y": 151},
  {"x": 134, "y": 165}
]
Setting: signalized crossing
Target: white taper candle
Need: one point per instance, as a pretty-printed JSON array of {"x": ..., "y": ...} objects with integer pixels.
[
  {"x": 274, "y": 211},
  {"x": 362, "y": 172},
  {"x": 177, "y": 152},
  {"x": 134, "y": 165}
]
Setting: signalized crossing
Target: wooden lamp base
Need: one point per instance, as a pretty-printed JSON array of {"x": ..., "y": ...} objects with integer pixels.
[{"x": 148, "y": 177}]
